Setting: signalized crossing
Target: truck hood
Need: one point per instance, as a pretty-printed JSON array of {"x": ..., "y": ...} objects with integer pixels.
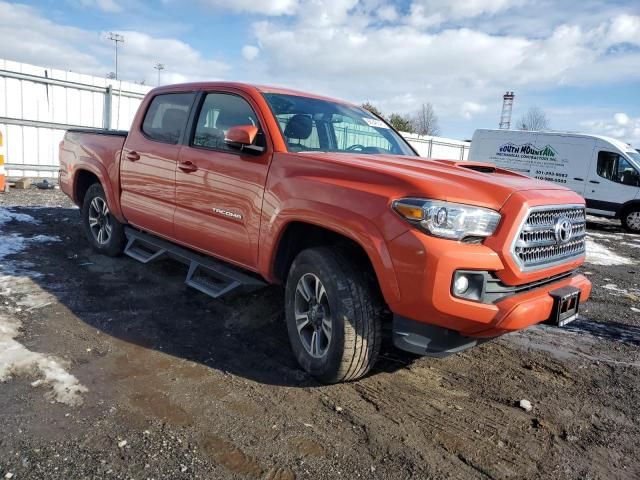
[{"x": 473, "y": 183}]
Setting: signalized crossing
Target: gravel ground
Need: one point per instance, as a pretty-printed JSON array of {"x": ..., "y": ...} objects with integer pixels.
[{"x": 121, "y": 371}]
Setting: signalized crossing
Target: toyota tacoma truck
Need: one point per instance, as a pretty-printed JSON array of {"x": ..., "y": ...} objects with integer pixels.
[{"x": 251, "y": 185}]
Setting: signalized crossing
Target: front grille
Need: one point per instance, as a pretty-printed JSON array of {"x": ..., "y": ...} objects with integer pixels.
[{"x": 542, "y": 242}]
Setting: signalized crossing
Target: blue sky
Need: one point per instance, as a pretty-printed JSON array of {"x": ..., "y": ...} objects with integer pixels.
[{"x": 579, "y": 61}]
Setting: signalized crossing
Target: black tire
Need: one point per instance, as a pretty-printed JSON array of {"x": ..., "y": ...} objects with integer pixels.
[
  {"x": 114, "y": 244},
  {"x": 355, "y": 314},
  {"x": 630, "y": 219}
]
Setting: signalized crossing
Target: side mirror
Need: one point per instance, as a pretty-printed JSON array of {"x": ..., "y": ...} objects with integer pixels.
[{"x": 241, "y": 137}]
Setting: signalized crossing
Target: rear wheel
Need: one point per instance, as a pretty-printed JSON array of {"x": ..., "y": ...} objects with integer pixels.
[
  {"x": 104, "y": 232},
  {"x": 333, "y": 315},
  {"x": 631, "y": 219}
]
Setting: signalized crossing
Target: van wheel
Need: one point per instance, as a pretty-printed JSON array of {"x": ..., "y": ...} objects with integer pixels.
[
  {"x": 631, "y": 219},
  {"x": 333, "y": 315},
  {"x": 104, "y": 232}
]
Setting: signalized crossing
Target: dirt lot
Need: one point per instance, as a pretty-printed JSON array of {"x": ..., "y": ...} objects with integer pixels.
[{"x": 114, "y": 369}]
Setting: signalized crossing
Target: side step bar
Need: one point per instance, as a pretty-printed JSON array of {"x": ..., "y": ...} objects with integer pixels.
[{"x": 208, "y": 275}]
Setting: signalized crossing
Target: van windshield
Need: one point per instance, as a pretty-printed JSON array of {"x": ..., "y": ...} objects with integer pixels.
[
  {"x": 635, "y": 156},
  {"x": 316, "y": 125}
]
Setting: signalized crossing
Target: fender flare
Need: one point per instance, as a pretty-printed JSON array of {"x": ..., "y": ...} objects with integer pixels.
[
  {"x": 631, "y": 203},
  {"x": 90, "y": 165},
  {"x": 338, "y": 220}
]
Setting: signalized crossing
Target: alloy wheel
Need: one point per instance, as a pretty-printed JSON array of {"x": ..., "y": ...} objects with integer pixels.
[
  {"x": 633, "y": 220},
  {"x": 313, "y": 315},
  {"x": 100, "y": 220}
]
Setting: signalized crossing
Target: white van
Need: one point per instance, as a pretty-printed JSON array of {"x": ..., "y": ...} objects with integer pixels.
[{"x": 605, "y": 171}]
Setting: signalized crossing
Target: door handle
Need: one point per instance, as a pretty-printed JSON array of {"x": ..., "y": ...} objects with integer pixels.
[
  {"x": 578, "y": 179},
  {"x": 133, "y": 156},
  {"x": 594, "y": 181},
  {"x": 187, "y": 166}
]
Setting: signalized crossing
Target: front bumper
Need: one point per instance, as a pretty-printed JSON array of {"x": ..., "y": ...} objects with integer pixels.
[{"x": 425, "y": 267}]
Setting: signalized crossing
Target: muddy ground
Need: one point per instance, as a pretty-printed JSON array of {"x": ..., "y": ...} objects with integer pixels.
[{"x": 172, "y": 384}]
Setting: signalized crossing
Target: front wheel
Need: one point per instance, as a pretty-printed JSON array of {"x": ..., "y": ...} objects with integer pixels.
[
  {"x": 104, "y": 232},
  {"x": 631, "y": 219},
  {"x": 333, "y": 315}
]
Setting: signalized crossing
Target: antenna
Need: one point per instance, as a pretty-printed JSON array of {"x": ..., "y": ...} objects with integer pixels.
[
  {"x": 507, "y": 106},
  {"x": 159, "y": 67},
  {"x": 116, "y": 38}
]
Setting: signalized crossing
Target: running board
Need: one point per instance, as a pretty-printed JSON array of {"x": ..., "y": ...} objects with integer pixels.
[{"x": 207, "y": 275}]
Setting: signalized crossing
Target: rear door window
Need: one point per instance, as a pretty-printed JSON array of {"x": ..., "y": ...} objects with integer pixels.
[{"x": 167, "y": 116}]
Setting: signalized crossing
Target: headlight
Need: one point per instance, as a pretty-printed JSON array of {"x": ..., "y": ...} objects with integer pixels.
[{"x": 448, "y": 220}]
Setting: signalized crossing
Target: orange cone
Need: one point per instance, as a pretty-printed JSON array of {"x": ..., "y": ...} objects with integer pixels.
[{"x": 3, "y": 173}]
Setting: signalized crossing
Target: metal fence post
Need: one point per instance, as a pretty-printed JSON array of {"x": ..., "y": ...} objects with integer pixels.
[{"x": 106, "y": 114}]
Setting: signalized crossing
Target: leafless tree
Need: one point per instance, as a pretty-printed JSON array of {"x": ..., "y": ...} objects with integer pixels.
[
  {"x": 425, "y": 121},
  {"x": 534, "y": 119}
]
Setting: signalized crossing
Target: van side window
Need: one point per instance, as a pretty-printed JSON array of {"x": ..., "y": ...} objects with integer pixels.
[
  {"x": 219, "y": 112},
  {"x": 616, "y": 168},
  {"x": 167, "y": 116}
]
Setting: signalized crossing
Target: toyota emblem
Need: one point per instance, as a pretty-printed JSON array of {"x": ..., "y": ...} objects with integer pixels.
[{"x": 563, "y": 230}]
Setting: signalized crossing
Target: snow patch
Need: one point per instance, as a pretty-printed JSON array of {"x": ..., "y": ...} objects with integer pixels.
[
  {"x": 6, "y": 215},
  {"x": 600, "y": 255},
  {"x": 15, "y": 243},
  {"x": 15, "y": 358},
  {"x": 632, "y": 293}
]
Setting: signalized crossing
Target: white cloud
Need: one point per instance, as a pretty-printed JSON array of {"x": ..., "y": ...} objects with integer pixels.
[
  {"x": 426, "y": 13},
  {"x": 250, "y": 52},
  {"x": 182, "y": 62},
  {"x": 460, "y": 70},
  {"x": 620, "y": 126},
  {"x": 624, "y": 29},
  {"x": 31, "y": 38},
  {"x": 387, "y": 13},
  {"x": 469, "y": 109},
  {"x": 264, "y": 7},
  {"x": 109, "y": 6}
]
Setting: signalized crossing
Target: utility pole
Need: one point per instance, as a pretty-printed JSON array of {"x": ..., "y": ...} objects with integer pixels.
[
  {"x": 507, "y": 106},
  {"x": 116, "y": 38},
  {"x": 159, "y": 67}
]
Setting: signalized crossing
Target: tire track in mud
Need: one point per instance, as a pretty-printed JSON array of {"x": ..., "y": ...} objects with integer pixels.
[{"x": 469, "y": 431}]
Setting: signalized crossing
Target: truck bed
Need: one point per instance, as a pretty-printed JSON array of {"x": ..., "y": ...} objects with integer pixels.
[{"x": 96, "y": 151}]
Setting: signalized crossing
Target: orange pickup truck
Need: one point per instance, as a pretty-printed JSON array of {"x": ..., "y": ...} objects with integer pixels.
[{"x": 251, "y": 185}]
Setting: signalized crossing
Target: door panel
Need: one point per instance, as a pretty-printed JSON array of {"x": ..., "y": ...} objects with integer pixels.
[
  {"x": 605, "y": 189},
  {"x": 148, "y": 166},
  {"x": 219, "y": 194}
]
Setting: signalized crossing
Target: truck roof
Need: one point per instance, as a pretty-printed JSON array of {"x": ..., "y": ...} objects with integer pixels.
[
  {"x": 615, "y": 142},
  {"x": 245, "y": 87}
]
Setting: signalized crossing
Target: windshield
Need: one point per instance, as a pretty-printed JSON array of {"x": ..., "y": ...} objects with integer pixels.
[
  {"x": 314, "y": 125},
  {"x": 635, "y": 156}
]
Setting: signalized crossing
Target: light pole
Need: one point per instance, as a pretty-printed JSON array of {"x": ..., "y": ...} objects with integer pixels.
[
  {"x": 117, "y": 38},
  {"x": 159, "y": 67}
]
